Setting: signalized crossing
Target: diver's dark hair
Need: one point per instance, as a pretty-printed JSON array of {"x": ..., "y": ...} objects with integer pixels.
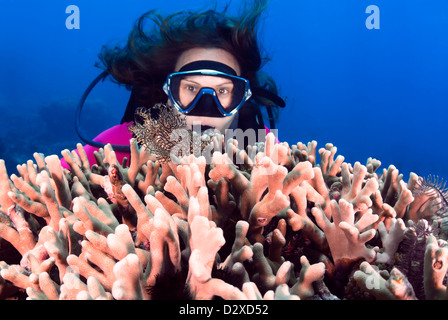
[{"x": 152, "y": 51}]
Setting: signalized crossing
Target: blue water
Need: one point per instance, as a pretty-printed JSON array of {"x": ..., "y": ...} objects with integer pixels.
[{"x": 380, "y": 93}]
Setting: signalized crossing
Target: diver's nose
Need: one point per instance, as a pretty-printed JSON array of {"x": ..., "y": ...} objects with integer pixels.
[{"x": 206, "y": 107}]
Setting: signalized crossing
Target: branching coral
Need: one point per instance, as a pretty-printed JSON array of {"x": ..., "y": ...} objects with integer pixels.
[
  {"x": 384, "y": 286},
  {"x": 346, "y": 237},
  {"x": 436, "y": 256},
  {"x": 267, "y": 221},
  {"x": 391, "y": 240},
  {"x": 431, "y": 198}
]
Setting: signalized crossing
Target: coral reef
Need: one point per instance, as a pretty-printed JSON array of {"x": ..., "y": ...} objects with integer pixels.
[{"x": 264, "y": 222}]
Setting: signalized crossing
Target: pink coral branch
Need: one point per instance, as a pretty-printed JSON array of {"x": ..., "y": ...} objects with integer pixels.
[
  {"x": 353, "y": 189},
  {"x": 165, "y": 247},
  {"x": 278, "y": 242},
  {"x": 203, "y": 286},
  {"x": 329, "y": 166},
  {"x": 302, "y": 152},
  {"x": 21, "y": 237},
  {"x": 224, "y": 201},
  {"x": 264, "y": 211},
  {"x": 103, "y": 253},
  {"x": 143, "y": 214},
  {"x": 95, "y": 291},
  {"x": 98, "y": 218},
  {"x": 79, "y": 165},
  {"x": 48, "y": 289},
  {"x": 61, "y": 187},
  {"x": 174, "y": 186},
  {"x": 435, "y": 269},
  {"x": 241, "y": 251},
  {"x": 391, "y": 240},
  {"x": 59, "y": 244},
  {"x": 301, "y": 172},
  {"x": 346, "y": 239},
  {"x": 71, "y": 287},
  {"x": 170, "y": 205},
  {"x": 5, "y": 188},
  {"x": 266, "y": 277},
  {"x": 19, "y": 277},
  {"x": 202, "y": 259},
  {"x": 223, "y": 168},
  {"x": 129, "y": 279},
  {"x": 382, "y": 286},
  {"x": 308, "y": 274},
  {"x": 55, "y": 210}
]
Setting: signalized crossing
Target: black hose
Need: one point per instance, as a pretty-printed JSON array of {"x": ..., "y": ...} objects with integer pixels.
[{"x": 116, "y": 147}]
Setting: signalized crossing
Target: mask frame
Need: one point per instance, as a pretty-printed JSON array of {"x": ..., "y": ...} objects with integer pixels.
[{"x": 241, "y": 82}]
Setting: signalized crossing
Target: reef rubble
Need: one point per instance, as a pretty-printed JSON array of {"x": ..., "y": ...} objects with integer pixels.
[{"x": 272, "y": 221}]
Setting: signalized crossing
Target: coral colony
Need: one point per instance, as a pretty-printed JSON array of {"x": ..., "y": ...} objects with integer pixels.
[{"x": 279, "y": 222}]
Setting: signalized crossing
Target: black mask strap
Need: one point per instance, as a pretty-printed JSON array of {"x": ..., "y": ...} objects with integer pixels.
[{"x": 210, "y": 65}]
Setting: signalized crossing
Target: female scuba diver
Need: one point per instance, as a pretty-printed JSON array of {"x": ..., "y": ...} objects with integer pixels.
[{"x": 206, "y": 65}]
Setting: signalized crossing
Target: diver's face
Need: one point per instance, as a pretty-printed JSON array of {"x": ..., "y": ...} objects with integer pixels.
[
  {"x": 191, "y": 85},
  {"x": 222, "y": 86}
]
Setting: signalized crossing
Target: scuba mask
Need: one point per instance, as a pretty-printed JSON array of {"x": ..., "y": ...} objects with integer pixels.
[{"x": 208, "y": 89}]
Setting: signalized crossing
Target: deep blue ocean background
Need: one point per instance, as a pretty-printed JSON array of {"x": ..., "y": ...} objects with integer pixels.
[{"x": 380, "y": 93}]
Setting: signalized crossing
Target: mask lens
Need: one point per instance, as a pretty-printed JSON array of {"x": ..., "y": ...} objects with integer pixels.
[{"x": 186, "y": 88}]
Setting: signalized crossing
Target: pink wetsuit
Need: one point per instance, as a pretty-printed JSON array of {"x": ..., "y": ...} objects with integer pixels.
[{"x": 118, "y": 134}]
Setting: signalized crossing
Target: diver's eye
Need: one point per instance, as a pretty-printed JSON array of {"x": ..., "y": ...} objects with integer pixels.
[
  {"x": 190, "y": 88},
  {"x": 223, "y": 91}
]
